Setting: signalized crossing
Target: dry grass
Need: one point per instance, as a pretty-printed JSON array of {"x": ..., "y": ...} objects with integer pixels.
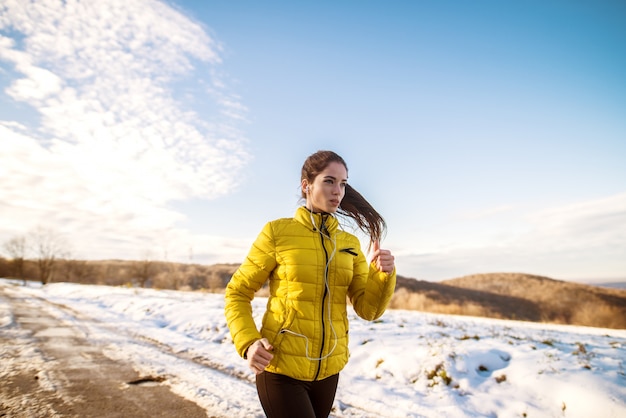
[{"x": 516, "y": 296}]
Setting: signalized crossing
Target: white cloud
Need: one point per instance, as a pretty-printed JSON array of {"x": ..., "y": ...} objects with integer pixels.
[
  {"x": 112, "y": 146},
  {"x": 583, "y": 225},
  {"x": 581, "y": 241}
]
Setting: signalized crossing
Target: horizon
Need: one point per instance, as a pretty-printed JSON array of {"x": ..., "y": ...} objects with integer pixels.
[{"x": 621, "y": 281}]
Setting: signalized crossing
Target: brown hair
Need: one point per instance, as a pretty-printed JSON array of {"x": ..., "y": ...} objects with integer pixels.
[{"x": 353, "y": 204}]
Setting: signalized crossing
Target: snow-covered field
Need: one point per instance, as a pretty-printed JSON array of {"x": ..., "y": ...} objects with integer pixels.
[{"x": 408, "y": 364}]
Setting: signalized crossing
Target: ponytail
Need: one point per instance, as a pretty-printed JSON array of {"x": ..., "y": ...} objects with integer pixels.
[{"x": 355, "y": 206}]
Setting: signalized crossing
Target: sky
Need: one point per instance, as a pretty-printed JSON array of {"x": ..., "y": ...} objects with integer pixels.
[
  {"x": 490, "y": 135},
  {"x": 396, "y": 369}
]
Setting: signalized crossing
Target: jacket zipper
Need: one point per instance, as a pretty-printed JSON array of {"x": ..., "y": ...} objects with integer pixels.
[{"x": 326, "y": 266}]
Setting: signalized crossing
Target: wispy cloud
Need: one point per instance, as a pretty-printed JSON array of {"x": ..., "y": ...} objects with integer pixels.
[
  {"x": 583, "y": 240},
  {"x": 582, "y": 225},
  {"x": 112, "y": 141}
]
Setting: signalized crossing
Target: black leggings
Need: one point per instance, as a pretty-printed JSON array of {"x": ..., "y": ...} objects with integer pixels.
[{"x": 284, "y": 397}]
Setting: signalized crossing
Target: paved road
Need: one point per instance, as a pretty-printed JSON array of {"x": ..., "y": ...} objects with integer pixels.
[{"x": 51, "y": 368}]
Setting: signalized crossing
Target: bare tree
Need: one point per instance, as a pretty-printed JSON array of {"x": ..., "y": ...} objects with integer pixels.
[
  {"x": 48, "y": 246},
  {"x": 175, "y": 275},
  {"x": 16, "y": 247},
  {"x": 143, "y": 269},
  {"x": 82, "y": 270},
  {"x": 75, "y": 270}
]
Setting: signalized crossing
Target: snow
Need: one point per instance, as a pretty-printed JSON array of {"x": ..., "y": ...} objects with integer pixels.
[{"x": 407, "y": 364}]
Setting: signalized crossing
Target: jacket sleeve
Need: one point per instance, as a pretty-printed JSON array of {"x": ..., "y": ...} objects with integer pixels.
[
  {"x": 371, "y": 290},
  {"x": 242, "y": 286}
]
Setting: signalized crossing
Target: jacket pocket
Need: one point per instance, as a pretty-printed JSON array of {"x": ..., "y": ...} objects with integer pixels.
[
  {"x": 276, "y": 334},
  {"x": 349, "y": 250}
]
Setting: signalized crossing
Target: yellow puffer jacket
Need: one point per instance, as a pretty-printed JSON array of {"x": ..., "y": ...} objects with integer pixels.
[{"x": 305, "y": 320}]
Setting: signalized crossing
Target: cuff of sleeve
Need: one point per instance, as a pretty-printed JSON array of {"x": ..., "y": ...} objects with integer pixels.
[{"x": 245, "y": 351}]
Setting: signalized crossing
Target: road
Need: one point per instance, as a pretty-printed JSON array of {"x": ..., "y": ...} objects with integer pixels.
[{"x": 50, "y": 367}]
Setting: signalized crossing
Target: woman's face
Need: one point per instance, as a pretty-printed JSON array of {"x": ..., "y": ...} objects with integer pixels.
[{"x": 327, "y": 189}]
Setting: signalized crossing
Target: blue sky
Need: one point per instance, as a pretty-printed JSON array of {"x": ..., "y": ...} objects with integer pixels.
[{"x": 490, "y": 135}]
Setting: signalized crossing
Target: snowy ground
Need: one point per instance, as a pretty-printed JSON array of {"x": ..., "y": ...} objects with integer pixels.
[{"x": 408, "y": 364}]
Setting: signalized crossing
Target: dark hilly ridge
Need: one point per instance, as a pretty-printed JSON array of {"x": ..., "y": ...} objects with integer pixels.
[{"x": 516, "y": 296}]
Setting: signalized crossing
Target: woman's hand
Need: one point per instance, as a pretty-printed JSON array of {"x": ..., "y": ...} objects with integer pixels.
[
  {"x": 259, "y": 355},
  {"x": 383, "y": 258}
]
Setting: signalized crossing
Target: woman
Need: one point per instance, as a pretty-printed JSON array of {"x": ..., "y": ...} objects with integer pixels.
[{"x": 312, "y": 266}]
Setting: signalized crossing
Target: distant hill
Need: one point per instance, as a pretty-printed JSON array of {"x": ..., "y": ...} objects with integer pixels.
[
  {"x": 613, "y": 285},
  {"x": 516, "y": 296}
]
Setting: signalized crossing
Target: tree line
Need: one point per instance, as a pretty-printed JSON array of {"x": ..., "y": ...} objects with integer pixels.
[{"x": 42, "y": 255}]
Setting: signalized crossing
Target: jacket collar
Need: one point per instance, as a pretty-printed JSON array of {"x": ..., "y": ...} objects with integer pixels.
[{"x": 306, "y": 217}]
